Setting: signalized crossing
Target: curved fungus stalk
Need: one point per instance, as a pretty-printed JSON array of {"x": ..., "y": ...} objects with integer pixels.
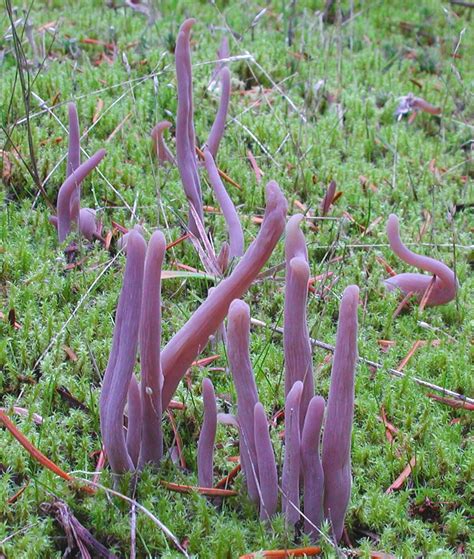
[
  {"x": 207, "y": 437},
  {"x": 444, "y": 286},
  {"x": 160, "y": 148}
]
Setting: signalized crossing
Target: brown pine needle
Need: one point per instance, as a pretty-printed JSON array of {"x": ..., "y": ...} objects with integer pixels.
[
  {"x": 409, "y": 355},
  {"x": 225, "y": 481},
  {"x": 208, "y": 491},
  {"x": 402, "y": 477},
  {"x": 179, "y": 443},
  {"x": 426, "y": 294},
  {"x": 37, "y": 454},
  {"x": 451, "y": 403},
  {"x": 403, "y": 303},
  {"x": 386, "y": 265},
  {"x": 177, "y": 241},
  {"x": 221, "y": 173},
  {"x": 14, "y": 498}
]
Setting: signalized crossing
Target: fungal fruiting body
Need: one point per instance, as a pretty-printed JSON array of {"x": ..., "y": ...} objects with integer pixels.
[
  {"x": 290, "y": 479},
  {"x": 266, "y": 465},
  {"x": 236, "y": 235},
  {"x": 185, "y": 136},
  {"x": 217, "y": 129},
  {"x": 161, "y": 150},
  {"x": 442, "y": 288},
  {"x": 298, "y": 355},
  {"x": 186, "y": 344},
  {"x": 336, "y": 453},
  {"x": 150, "y": 341},
  {"x": 122, "y": 358},
  {"x": 205, "y": 454},
  {"x": 312, "y": 467},
  {"x": 238, "y": 331}
]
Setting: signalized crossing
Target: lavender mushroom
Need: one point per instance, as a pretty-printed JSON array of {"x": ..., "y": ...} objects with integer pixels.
[
  {"x": 236, "y": 235},
  {"x": 182, "y": 349},
  {"x": 68, "y": 190},
  {"x": 298, "y": 355},
  {"x": 205, "y": 456},
  {"x": 134, "y": 414},
  {"x": 161, "y": 149},
  {"x": 312, "y": 467},
  {"x": 122, "y": 357},
  {"x": 185, "y": 137},
  {"x": 150, "y": 341},
  {"x": 290, "y": 479},
  {"x": 336, "y": 455},
  {"x": 267, "y": 470},
  {"x": 445, "y": 283},
  {"x": 238, "y": 331},
  {"x": 217, "y": 130},
  {"x": 328, "y": 198}
]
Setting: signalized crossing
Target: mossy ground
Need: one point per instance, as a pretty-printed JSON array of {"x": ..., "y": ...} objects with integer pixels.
[{"x": 286, "y": 108}]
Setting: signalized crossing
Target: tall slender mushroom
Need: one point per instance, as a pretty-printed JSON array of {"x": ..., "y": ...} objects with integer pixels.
[
  {"x": 238, "y": 353},
  {"x": 236, "y": 235},
  {"x": 205, "y": 456},
  {"x": 290, "y": 478},
  {"x": 122, "y": 357},
  {"x": 67, "y": 192},
  {"x": 336, "y": 455},
  {"x": 186, "y": 344},
  {"x": 444, "y": 286},
  {"x": 218, "y": 126},
  {"x": 267, "y": 470},
  {"x": 312, "y": 467},
  {"x": 297, "y": 346},
  {"x": 150, "y": 342},
  {"x": 185, "y": 136}
]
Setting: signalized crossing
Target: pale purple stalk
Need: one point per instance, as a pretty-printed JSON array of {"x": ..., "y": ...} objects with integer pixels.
[
  {"x": 161, "y": 149},
  {"x": 183, "y": 348},
  {"x": 185, "y": 137},
  {"x": 68, "y": 189},
  {"x": 312, "y": 467},
  {"x": 238, "y": 354},
  {"x": 150, "y": 342},
  {"x": 267, "y": 470},
  {"x": 87, "y": 223},
  {"x": 445, "y": 283},
  {"x": 326, "y": 202},
  {"x": 336, "y": 455},
  {"x": 74, "y": 151},
  {"x": 297, "y": 346},
  {"x": 134, "y": 414},
  {"x": 218, "y": 126},
  {"x": 122, "y": 357},
  {"x": 207, "y": 437},
  {"x": 290, "y": 478},
  {"x": 236, "y": 235},
  {"x": 223, "y": 52}
]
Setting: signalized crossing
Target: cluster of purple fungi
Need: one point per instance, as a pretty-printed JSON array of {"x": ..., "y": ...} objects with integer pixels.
[{"x": 317, "y": 475}]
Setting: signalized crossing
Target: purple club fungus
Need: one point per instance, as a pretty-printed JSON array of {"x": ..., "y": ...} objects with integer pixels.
[
  {"x": 205, "y": 455},
  {"x": 87, "y": 223},
  {"x": 336, "y": 454},
  {"x": 238, "y": 332},
  {"x": 161, "y": 150},
  {"x": 328, "y": 198},
  {"x": 122, "y": 358},
  {"x": 236, "y": 235},
  {"x": 186, "y": 344},
  {"x": 290, "y": 477},
  {"x": 445, "y": 284},
  {"x": 134, "y": 415},
  {"x": 74, "y": 146},
  {"x": 312, "y": 467},
  {"x": 217, "y": 129},
  {"x": 68, "y": 191},
  {"x": 298, "y": 355},
  {"x": 410, "y": 103},
  {"x": 150, "y": 342},
  {"x": 267, "y": 470},
  {"x": 185, "y": 136}
]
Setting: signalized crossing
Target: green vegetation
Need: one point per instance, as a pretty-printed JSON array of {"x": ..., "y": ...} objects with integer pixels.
[{"x": 318, "y": 109}]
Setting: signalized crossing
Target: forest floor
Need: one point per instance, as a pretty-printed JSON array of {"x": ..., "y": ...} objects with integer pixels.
[{"x": 313, "y": 100}]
